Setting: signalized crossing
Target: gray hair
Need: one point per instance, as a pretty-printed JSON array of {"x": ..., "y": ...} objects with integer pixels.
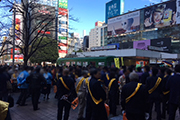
[
  {"x": 134, "y": 77},
  {"x": 84, "y": 72}
]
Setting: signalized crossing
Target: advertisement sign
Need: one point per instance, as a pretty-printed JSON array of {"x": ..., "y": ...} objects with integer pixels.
[
  {"x": 17, "y": 28},
  {"x": 124, "y": 24},
  {"x": 18, "y": 56},
  {"x": 126, "y": 45},
  {"x": 63, "y": 12},
  {"x": 116, "y": 61},
  {"x": 163, "y": 43},
  {"x": 142, "y": 44},
  {"x": 76, "y": 35},
  {"x": 114, "y": 8},
  {"x": 178, "y": 12},
  {"x": 109, "y": 47},
  {"x": 63, "y": 4},
  {"x": 160, "y": 15}
]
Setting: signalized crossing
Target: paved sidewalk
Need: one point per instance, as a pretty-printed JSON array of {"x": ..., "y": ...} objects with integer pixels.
[{"x": 48, "y": 110}]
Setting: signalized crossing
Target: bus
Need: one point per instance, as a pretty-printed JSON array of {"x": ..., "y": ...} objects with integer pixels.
[{"x": 86, "y": 61}]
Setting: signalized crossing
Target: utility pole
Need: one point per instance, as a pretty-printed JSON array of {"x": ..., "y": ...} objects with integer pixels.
[{"x": 14, "y": 37}]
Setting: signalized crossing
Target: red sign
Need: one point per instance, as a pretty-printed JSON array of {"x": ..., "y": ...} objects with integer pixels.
[
  {"x": 43, "y": 32},
  {"x": 44, "y": 11},
  {"x": 63, "y": 51},
  {"x": 63, "y": 11},
  {"x": 17, "y": 28},
  {"x": 62, "y": 44},
  {"x": 18, "y": 55}
]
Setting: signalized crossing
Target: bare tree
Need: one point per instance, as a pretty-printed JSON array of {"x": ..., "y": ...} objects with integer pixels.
[{"x": 36, "y": 22}]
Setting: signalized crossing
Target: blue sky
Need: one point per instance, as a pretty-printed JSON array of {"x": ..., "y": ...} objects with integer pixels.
[{"x": 90, "y": 11}]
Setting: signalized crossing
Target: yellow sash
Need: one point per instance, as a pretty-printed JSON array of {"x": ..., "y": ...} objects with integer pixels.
[
  {"x": 100, "y": 80},
  {"x": 95, "y": 101},
  {"x": 64, "y": 83},
  {"x": 136, "y": 90},
  {"x": 86, "y": 80},
  {"x": 155, "y": 86},
  {"x": 107, "y": 76},
  {"x": 110, "y": 84},
  {"x": 165, "y": 93},
  {"x": 79, "y": 84}
]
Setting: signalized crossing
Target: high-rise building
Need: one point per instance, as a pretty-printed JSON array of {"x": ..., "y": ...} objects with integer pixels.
[
  {"x": 104, "y": 35},
  {"x": 95, "y": 35},
  {"x": 85, "y": 43},
  {"x": 84, "y": 33}
]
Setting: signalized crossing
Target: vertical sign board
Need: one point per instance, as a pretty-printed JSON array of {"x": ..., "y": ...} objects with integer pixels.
[
  {"x": 114, "y": 8},
  {"x": 116, "y": 61}
]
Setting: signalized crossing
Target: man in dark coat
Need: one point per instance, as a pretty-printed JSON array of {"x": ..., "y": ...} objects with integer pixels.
[
  {"x": 66, "y": 93},
  {"x": 173, "y": 84},
  {"x": 36, "y": 80},
  {"x": 95, "y": 109},
  {"x": 3, "y": 85},
  {"x": 154, "y": 86},
  {"x": 145, "y": 75},
  {"x": 133, "y": 98}
]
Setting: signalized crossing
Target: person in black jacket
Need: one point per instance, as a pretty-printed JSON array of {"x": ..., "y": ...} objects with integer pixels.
[
  {"x": 3, "y": 85},
  {"x": 165, "y": 93},
  {"x": 35, "y": 81},
  {"x": 145, "y": 75},
  {"x": 173, "y": 84},
  {"x": 66, "y": 93},
  {"x": 154, "y": 86},
  {"x": 113, "y": 90},
  {"x": 95, "y": 109},
  {"x": 135, "y": 106}
]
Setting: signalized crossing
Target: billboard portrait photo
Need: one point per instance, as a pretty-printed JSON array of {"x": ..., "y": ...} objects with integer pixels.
[
  {"x": 160, "y": 15},
  {"x": 124, "y": 24}
]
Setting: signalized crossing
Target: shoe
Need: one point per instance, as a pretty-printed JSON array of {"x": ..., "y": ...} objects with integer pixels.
[
  {"x": 36, "y": 109},
  {"x": 23, "y": 105}
]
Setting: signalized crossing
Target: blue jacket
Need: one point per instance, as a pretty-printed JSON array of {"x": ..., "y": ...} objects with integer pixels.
[
  {"x": 21, "y": 79},
  {"x": 48, "y": 77}
]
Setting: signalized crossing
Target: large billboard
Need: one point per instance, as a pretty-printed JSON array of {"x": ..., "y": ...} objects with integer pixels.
[
  {"x": 114, "y": 8},
  {"x": 178, "y": 12},
  {"x": 63, "y": 4},
  {"x": 163, "y": 43},
  {"x": 160, "y": 44},
  {"x": 126, "y": 45},
  {"x": 160, "y": 15},
  {"x": 124, "y": 24},
  {"x": 142, "y": 44}
]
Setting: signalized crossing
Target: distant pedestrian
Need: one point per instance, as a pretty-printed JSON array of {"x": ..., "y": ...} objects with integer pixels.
[
  {"x": 49, "y": 79},
  {"x": 23, "y": 86},
  {"x": 35, "y": 81}
]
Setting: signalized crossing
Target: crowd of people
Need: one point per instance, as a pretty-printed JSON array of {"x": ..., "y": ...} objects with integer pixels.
[{"x": 136, "y": 89}]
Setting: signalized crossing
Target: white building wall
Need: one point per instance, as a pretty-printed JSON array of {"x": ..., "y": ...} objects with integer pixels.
[{"x": 95, "y": 37}]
